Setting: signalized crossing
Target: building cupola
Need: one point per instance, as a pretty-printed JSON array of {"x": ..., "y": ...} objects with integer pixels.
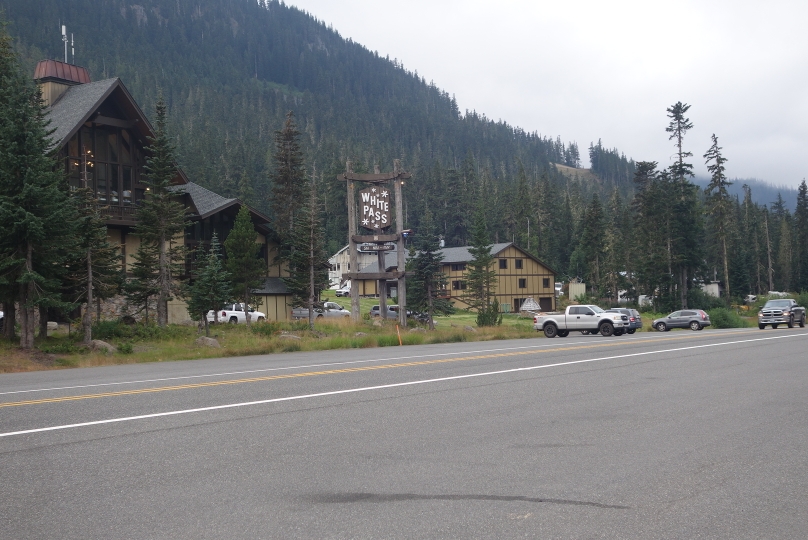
[{"x": 55, "y": 77}]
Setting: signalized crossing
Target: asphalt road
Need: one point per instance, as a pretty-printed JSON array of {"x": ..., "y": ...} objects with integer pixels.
[{"x": 675, "y": 435}]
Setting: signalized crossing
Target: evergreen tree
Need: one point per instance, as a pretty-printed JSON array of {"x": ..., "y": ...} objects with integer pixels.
[
  {"x": 143, "y": 286},
  {"x": 481, "y": 278},
  {"x": 718, "y": 204},
  {"x": 161, "y": 217},
  {"x": 801, "y": 238},
  {"x": 243, "y": 264},
  {"x": 35, "y": 215},
  {"x": 210, "y": 285},
  {"x": 97, "y": 268},
  {"x": 686, "y": 227},
  {"x": 308, "y": 261},
  {"x": 287, "y": 179},
  {"x": 427, "y": 283}
]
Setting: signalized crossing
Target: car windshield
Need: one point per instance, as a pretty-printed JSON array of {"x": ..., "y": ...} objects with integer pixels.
[
  {"x": 596, "y": 309},
  {"x": 778, "y": 303}
]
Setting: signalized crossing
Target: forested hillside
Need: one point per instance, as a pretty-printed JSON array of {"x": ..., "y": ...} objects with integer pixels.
[{"x": 230, "y": 70}]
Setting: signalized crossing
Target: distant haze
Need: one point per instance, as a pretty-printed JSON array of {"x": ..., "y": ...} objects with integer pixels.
[{"x": 585, "y": 69}]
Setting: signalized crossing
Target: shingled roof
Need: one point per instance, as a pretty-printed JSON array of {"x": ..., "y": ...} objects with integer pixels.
[
  {"x": 76, "y": 105},
  {"x": 204, "y": 200}
]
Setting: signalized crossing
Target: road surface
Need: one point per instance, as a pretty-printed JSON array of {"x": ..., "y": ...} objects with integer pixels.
[{"x": 656, "y": 435}]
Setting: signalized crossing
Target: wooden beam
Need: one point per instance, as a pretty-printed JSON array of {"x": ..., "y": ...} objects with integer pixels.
[
  {"x": 371, "y": 276},
  {"x": 373, "y": 178},
  {"x": 371, "y": 238}
]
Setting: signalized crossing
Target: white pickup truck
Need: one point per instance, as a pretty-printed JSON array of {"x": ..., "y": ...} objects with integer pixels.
[
  {"x": 234, "y": 314},
  {"x": 586, "y": 318},
  {"x": 329, "y": 309}
]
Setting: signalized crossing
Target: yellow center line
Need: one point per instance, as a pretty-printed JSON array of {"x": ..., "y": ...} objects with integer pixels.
[{"x": 328, "y": 372}]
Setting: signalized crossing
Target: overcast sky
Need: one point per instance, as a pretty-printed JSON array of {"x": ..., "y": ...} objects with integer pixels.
[{"x": 590, "y": 69}]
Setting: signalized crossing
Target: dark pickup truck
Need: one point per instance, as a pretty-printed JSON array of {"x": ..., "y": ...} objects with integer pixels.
[{"x": 777, "y": 312}]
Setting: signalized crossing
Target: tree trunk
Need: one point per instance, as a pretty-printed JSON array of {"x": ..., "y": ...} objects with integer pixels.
[
  {"x": 207, "y": 324},
  {"x": 87, "y": 318},
  {"x": 726, "y": 273},
  {"x": 27, "y": 291},
  {"x": 247, "y": 306},
  {"x": 43, "y": 322},
  {"x": 162, "y": 297},
  {"x": 9, "y": 320}
]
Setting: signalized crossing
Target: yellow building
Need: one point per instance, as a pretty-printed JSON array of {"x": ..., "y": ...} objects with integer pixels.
[
  {"x": 101, "y": 136},
  {"x": 520, "y": 275}
]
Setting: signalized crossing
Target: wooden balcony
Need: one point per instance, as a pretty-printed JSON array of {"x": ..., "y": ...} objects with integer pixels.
[{"x": 119, "y": 215}]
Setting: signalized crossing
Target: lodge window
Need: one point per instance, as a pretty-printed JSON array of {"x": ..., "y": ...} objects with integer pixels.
[
  {"x": 522, "y": 283},
  {"x": 503, "y": 264},
  {"x": 458, "y": 267},
  {"x": 518, "y": 264},
  {"x": 459, "y": 285},
  {"x": 545, "y": 282}
]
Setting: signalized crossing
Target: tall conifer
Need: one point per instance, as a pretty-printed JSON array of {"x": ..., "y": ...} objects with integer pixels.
[{"x": 246, "y": 269}]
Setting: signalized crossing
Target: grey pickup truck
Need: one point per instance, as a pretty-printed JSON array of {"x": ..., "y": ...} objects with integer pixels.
[
  {"x": 777, "y": 312},
  {"x": 589, "y": 318}
]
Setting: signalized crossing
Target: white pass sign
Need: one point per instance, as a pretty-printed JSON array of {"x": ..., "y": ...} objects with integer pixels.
[{"x": 375, "y": 204}]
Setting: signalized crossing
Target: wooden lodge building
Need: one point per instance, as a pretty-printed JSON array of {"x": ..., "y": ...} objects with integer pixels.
[
  {"x": 519, "y": 276},
  {"x": 102, "y": 133}
]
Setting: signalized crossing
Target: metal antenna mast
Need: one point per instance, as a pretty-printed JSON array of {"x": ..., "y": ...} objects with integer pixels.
[{"x": 64, "y": 39}]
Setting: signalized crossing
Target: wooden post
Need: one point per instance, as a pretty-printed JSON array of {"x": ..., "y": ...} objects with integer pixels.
[
  {"x": 353, "y": 256},
  {"x": 402, "y": 287},
  {"x": 382, "y": 285}
]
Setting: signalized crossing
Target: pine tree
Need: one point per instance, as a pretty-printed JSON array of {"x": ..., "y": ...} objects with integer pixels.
[
  {"x": 427, "y": 281},
  {"x": 143, "y": 285},
  {"x": 801, "y": 238},
  {"x": 481, "y": 278},
  {"x": 161, "y": 217},
  {"x": 210, "y": 285},
  {"x": 308, "y": 260},
  {"x": 287, "y": 178},
  {"x": 246, "y": 269},
  {"x": 35, "y": 215},
  {"x": 97, "y": 268},
  {"x": 718, "y": 204}
]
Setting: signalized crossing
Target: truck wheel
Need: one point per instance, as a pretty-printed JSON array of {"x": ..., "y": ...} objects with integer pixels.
[
  {"x": 585, "y": 332},
  {"x": 631, "y": 331},
  {"x": 550, "y": 331},
  {"x": 260, "y": 319},
  {"x": 618, "y": 333},
  {"x": 775, "y": 325},
  {"x": 790, "y": 322},
  {"x": 233, "y": 320},
  {"x": 762, "y": 326},
  {"x": 694, "y": 325},
  {"x": 606, "y": 329},
  {"x": 662, "y": 327},
  {"x": 563, "y": 333},
  {"x": 802, "y": 321}
]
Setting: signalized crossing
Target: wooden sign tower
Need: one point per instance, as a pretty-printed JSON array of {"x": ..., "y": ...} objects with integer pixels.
[{"x": 374, "y": 213}]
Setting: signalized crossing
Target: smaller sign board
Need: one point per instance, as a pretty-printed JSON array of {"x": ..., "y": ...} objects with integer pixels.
[
  {"x": 374, "y": 204},
  {"x": 376, "y": 247}
]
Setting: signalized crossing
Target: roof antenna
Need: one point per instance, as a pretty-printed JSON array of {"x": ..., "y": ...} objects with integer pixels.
[
  {"x": 72, "y": 50},
  {"x": 64, "y": 38}
]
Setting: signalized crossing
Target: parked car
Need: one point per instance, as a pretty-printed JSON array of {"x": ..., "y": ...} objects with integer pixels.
[
  {"x": 392, "y": 311},
  {"x": 695, "y": 319},
  {"x": 777, "y": 312},
  {"x": 234, "y": 314},
  {"x": 329, "y": 309},
  {"x": 345, "y": 290},
  {"x": 634, "y": 319},
  {"x": 582, "y": 318}
]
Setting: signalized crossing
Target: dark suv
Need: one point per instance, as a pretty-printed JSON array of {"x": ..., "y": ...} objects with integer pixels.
[
  {"x": 695, "y": 319},
  {"x": 634, "y": 319}
]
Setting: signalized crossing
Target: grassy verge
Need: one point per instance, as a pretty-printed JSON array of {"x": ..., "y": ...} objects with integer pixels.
[{"x": 147, "y": 343}]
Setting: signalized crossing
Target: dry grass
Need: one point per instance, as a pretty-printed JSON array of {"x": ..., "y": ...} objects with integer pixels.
[{"x": 177, "y": 342}]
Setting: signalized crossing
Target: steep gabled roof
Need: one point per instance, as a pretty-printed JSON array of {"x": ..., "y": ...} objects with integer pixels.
[{"x": 76, "y": 106}]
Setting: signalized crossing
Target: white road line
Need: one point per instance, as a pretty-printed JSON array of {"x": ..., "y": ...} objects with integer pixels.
[
  {"x": 379, "y": 387},
  {"x": 309, "y": 366}
]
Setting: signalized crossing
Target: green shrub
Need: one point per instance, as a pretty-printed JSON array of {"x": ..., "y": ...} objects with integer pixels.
[
  {"x": 117, "y": 329},
  {"x": 387, "y": 341},
  {"x": 292, "y": 346},
  {"x": 266, "y": 329},
  {"x": 126, "y": 348},
  {"x": 61, "y": 348},
  {"x": 725, "y": 318}
]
